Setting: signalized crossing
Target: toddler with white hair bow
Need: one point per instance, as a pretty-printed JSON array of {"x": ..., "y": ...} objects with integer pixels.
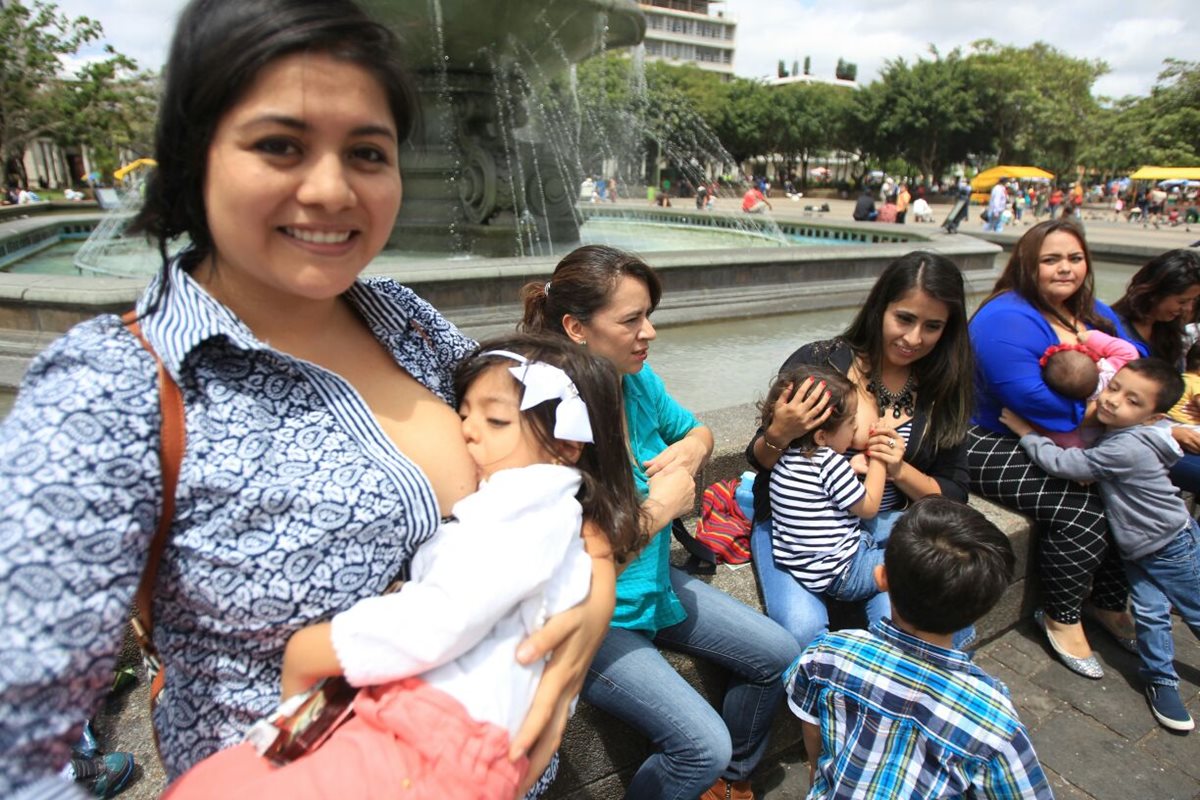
[{"x": 443, "y": 692}]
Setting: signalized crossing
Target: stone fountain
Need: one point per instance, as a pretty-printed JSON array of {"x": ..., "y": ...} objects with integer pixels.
[{"x": 482, "y": 174}]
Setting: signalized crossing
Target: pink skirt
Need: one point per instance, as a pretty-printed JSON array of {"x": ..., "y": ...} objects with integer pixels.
[{"x": 406, "y": 739}]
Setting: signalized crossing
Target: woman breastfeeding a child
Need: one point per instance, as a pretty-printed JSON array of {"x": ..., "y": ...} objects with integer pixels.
[
  {"x": 1042, "y": 309},
  {"x": 900, "y": 400},
  {"x": 322, "y": 443},
  {"x": 1159, "y": 301}
]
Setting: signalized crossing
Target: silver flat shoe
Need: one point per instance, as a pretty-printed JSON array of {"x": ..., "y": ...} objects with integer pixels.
[
  {"x": 1127, "y": 642},
  {"x": 1087, "y": 667}
]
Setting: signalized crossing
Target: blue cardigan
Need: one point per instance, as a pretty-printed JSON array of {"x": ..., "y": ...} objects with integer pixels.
[{"x": 1009, "y": 336}]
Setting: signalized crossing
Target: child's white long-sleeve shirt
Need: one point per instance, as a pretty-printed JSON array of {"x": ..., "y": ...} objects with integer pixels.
[{"x": 511, "y": 557}]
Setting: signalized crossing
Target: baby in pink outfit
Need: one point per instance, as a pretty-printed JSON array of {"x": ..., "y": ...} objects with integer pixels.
[{"x": 1081, "y": 371}]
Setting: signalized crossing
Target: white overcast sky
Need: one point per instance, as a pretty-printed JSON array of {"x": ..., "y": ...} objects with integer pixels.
[{"x": 1133, "y": 37}]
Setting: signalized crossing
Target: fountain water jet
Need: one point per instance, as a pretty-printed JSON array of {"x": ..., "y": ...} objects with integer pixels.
[{"x": 480, "y": 175}]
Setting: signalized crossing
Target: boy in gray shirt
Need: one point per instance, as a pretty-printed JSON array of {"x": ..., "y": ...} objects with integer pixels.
[{"x": 1157, "y": 537}]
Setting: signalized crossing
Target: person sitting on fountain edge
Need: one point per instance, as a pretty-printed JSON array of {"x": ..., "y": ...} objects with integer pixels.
[{"x": 864, "y": 208}]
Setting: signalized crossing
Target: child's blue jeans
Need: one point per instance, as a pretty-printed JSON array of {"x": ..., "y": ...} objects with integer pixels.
[{"x": 1173, "y": 572}]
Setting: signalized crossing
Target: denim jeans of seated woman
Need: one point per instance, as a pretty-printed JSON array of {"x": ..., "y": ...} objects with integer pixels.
[
  {"x": 804, "y": 614},
  {"x": 694, "y": 744},
  {"x": 1169, "y": 576},
  {"x": 1186, "y": 473}
]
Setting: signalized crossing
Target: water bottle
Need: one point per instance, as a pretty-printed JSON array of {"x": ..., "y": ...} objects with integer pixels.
[{"x": 745, "y": 494}]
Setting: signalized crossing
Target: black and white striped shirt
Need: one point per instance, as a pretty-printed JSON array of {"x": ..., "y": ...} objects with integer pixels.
[{"x": 814, "y": 534}]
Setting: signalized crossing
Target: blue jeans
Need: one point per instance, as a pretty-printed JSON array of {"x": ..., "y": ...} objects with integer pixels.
[
  {"x": 805, "y": 614},
  {"x": 1170, "y": 576},
  {"x": 695, "y": 744},
  {"x": 858, "y": 581},
  {"x": 800, "y": 611},
  {"x": 1186, "y": 473}
]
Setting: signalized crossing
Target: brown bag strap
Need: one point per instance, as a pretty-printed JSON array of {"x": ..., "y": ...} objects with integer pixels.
[{"x": 173, "y": 439}]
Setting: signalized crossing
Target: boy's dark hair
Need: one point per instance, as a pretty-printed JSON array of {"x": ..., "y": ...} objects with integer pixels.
[
  {"x": 841, "y": 400},
  {"x": 1192, "y": 362},
  {"x": 1168, "y": 379},
  {"x": 947, "y": 565},
  {"x": 1071, "y": 373},
  {"x": 608, "y": 495}
]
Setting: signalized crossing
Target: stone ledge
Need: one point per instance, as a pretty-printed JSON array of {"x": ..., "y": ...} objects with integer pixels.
[{"x": 600, "y": 753}]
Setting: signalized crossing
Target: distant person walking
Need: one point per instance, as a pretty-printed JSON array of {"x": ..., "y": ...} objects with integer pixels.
[{"x": 997, "y": 203}]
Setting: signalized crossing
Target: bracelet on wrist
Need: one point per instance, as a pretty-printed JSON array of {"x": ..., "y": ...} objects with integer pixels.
[{"x": 769, "y": 445}]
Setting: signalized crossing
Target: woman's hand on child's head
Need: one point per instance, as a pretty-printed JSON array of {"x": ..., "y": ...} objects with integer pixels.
[
  {"x": 795, "y": 414},
  {"x": 572, "y": 637},
  {"x": 1014, "y": 423}
]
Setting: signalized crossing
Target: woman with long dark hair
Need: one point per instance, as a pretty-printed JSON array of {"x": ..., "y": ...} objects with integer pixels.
[
  {"x": 908, "y": 356},
  {"x": 1159, "y": 301}
]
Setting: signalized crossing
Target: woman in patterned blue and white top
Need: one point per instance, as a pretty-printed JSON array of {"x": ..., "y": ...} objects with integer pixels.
[{"x": 322, "y": 440}]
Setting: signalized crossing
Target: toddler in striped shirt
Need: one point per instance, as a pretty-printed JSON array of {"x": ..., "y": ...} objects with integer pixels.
[{"x": 817, "y": 499}]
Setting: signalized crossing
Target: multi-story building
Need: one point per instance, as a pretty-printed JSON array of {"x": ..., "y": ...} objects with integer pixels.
[{"x": 687, "y": 32}]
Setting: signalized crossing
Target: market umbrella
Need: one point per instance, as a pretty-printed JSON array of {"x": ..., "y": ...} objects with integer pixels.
[
  {"x": 1166, "y": 173},
  {"x": 984, "y": 181},
  {"x": 1185, "y": 183}
]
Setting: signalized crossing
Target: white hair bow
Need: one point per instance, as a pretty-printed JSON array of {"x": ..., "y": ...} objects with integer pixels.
[{"x": 544, "y": 382}]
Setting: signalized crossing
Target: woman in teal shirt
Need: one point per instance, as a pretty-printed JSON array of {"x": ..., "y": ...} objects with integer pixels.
[{"x": 602, "y": 298}]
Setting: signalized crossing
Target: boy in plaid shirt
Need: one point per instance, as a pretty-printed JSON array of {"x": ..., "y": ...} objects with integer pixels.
[{"x": 895, "y": 711}]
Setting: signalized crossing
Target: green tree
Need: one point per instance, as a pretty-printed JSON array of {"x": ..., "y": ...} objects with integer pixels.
[
  {"x": 1171, "y": 116},
  {"x": 1038, "y": 101},
  {"x": 803, "y": 121},
  {"x": 110, "y": 107},
  {"x": 37, "y": 99},
  {"x": 927, "y": 113}
]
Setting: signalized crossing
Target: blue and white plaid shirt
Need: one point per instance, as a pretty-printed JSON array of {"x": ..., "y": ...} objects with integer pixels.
[{"x": 901, "y": 718}]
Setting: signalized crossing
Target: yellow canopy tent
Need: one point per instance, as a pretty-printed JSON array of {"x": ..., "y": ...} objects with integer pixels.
[
  {"x": 1166, "y": 173},
  {"x": 120, "y": 174},
  {"x": 982, "y": 183}
]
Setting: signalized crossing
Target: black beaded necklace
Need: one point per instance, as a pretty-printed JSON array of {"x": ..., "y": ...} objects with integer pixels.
[{"x": 901, "y": 402}]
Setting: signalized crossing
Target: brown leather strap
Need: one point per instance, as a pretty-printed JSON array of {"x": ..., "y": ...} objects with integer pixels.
[{"x": 173, "y": 439}]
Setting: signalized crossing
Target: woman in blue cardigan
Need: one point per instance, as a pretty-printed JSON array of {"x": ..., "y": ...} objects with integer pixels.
[{"x": 1045, "y": 297}]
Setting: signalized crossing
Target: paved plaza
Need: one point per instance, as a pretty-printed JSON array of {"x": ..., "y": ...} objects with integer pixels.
[{"x": 1096, "y": 739}]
